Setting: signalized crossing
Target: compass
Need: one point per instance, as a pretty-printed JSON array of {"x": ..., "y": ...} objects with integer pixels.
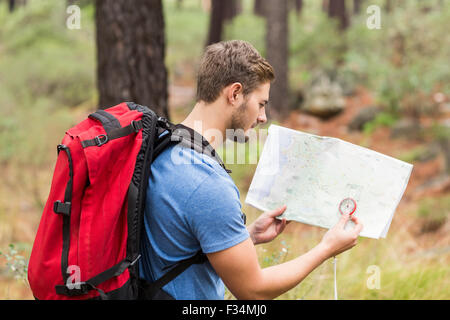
[{"x": 347, "y": 206}]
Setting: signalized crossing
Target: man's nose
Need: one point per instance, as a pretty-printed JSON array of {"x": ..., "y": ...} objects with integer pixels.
[{"x": 262, "y": 116}]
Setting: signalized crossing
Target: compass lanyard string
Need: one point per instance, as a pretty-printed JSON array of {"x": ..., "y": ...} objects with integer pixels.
[{"x": 335, "y": 281}]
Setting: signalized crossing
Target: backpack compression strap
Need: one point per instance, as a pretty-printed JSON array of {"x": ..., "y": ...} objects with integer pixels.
[
  {"x": 111, "y": 134},
  {"x": 64, "y": 208}
]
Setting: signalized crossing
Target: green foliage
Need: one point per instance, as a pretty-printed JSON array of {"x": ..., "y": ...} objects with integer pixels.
[
  {"x": 436, "y": 209},
  {"x": 247, "y": 21},
  {"x": 419, "y": 283},
  {"x": 313, "y": 34},
  {"x": 382, "y": 119},
  {"x": 186, "y": 31},
  {"x": 412, "y": 155},
  {"x": 16, "y": 263},
  {"x": 39, "y": 78},
  {"x": 433, "y": 213},
  {"x": 440, "y": 132},
  {"x": 276, "y": 257},
  {"x": 406, "y": 60}
]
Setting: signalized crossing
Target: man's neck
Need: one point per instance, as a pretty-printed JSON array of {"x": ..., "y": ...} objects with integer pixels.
[{"x": 209, "y": 121}]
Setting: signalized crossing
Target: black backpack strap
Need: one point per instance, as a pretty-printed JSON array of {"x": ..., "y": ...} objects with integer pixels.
[
  {"x": 64, "y": 208},
  {"x": 151, "y": 290},
  {"x": 81, "y": 288},
  {"x": 191, "y": 139},
  {"x": 108, "y": 121},
  {"x": 117, "y": 133}
]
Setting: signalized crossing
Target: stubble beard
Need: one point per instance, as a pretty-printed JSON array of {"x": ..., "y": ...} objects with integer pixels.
[{"x": 238, "y": 123}]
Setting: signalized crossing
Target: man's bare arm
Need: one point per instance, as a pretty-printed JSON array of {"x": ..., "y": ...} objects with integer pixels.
[{"x": 239, "y": 268}]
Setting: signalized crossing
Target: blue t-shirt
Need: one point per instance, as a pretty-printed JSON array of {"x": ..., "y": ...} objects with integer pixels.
[{"x": 192, "y": 204}]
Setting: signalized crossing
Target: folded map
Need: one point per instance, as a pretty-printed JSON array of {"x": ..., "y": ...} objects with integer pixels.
[{"x": 312, "y": 175}]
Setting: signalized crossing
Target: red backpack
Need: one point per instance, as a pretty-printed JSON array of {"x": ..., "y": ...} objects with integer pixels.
[{"x": 88, "y": 241}]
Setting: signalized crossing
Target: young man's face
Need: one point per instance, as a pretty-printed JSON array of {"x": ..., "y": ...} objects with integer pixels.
[{"x": 250, "y": 113}]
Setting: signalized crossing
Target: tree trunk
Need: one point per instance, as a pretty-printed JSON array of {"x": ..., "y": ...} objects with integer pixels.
[
  {"x": 298, "y": 6},
  {"x": 259, "y": 8},
  {"x": 387, "y": 6},
  {"x": 325, "y": 5},
  {"x": 277, "y": 54},
  {"x": 221, "y": 11},
  {"x": 130, "y": 53},
  {"x": 232, "y": 9},
  {"x": 357, "y": 6},
  {"x": 216, "y": 20},
  {"x": 336, "y": 9},
  {"x": 11, "y": 5},
  {"x": 445, "y": 144},
  {"x": 14, "y": 4}
]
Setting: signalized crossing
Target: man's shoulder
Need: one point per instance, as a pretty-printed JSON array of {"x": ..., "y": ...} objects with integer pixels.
[
  {"x": 178, "y": 159},
  {"x": 185, "y": 170}
]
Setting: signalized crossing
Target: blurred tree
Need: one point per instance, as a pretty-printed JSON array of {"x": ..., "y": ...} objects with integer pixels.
[
  {"x": 277, "y": 54},
  {"x": 357, "y": 6},
  {"x": 387, "y": 6},
  {"x": 221, "y": 11},
  {"x": 216, "y": 20},
  {"x": 232, "y": 9},
  {"x": 445, "y": 145},
  {"x": 259, "y": 8},
  {"x": 398, "y": 40},
  {"x": 298, "y": 6},
  {"x": 130, "y": 53},
  {"x": 325, "y": 4},
  {"x": 336, "y": 9},
  {"x": 11, "y": 5}
]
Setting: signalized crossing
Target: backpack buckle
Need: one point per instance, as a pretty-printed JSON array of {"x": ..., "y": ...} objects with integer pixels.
[
  {"x": 61, "y": 147},
  {"x": 62, "y": 207},
  {"x": 135, "y": 260},
  {"x": 101, "y": 139},
  {"x": 163, "y": 122},
  {"x": 136, "y": 125}
]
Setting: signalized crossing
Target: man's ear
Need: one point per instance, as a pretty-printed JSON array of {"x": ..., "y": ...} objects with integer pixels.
[{"x": 234, "y": 92}]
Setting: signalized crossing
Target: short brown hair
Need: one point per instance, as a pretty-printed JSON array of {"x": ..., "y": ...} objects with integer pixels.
[{"x": 226, "y": 62}]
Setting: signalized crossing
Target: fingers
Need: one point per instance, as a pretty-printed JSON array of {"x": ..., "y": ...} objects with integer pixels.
[
  {"x": 281, "y": 226},
  {"x": 277, "y": 212},
  {"x": 354, "y": 219},
  {"x": 356, "y": 230},
  {"x": 343, "y": 220},
  {"x": 358, "y": 227}
]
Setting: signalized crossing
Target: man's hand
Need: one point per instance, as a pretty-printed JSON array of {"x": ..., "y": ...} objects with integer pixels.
[
  {"x": 338, "y": 239},
  {"x": 267, "y": 227}
]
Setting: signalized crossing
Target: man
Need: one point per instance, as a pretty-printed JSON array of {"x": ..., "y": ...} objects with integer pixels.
[{"x": 196, "y": 206}]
